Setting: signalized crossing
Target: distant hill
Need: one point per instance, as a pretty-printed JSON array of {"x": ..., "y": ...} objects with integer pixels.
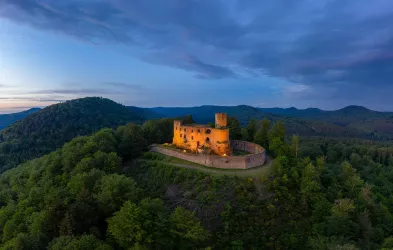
[
  {"x": 373, "y": 124},
  {"x": 243, "y": 113},
  {"x": 146, "y": 114},
  {"x": 342, "y": 117},
  {"x": 49, "y": 128},
  {"x": 352, "y": 121},
  {"x": 8, "y": 119}
]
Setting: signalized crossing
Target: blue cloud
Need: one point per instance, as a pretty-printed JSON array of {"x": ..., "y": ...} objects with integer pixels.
[{"x": 336, "y": 44}]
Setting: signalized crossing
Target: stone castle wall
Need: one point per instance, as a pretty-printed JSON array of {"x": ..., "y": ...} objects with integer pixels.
[
  {"x": 194, "y": 136},
  {"x": 255, "y": 159}
]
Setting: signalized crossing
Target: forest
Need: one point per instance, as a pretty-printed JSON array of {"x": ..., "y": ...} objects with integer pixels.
[
  {"x": 106, "y": 191},
  {"x": 48, "y": 129}
]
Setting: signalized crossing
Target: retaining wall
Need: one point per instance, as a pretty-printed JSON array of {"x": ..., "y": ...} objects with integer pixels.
[{"x": 255, "y": 159}]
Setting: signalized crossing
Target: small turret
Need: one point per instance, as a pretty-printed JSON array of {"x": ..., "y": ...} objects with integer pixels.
[{"x": 221, "y": 120}]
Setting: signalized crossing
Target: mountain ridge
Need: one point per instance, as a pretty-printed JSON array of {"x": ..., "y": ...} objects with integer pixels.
[{"x": 350, "y": 121}]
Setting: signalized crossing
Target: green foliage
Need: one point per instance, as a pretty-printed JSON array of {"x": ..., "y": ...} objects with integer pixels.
[
  {"x": 278, "y": 147},
  {"x": 64, "y": 195},
  {"x": 158, "y": 131},
  {"x": 186, "y": 226},
  {"x": 322, "y": 193},
  {"x": 113, "y": 190},
  {"x": 277, "y": 131},
  {"x": 295, "y": 145},
  {"x": 261, "y": 136},
  {"x": 251, "y": 128},
  {"x": 126, "y": 226},
  {"x": 131, "y": 141},
  {"x": 244, "y": 133},
  {"x": 234, "y": 129},
  {"x": 84, "y": 242},
  {"x": 51, "y": 127}
]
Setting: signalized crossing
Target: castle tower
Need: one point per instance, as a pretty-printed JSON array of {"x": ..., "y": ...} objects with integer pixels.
[{"x": 221, "y": 120}]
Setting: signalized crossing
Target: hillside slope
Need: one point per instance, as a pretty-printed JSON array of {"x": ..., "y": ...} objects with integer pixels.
[
  {"x": 8, "y": 119},
  {"x": 51, "y": 127}
]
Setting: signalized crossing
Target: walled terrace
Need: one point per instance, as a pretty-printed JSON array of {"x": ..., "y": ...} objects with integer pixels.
[{"x": 255, "y": 158}]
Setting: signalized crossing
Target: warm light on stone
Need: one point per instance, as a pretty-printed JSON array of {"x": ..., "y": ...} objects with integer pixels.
[{"x": 203, "y": 138}]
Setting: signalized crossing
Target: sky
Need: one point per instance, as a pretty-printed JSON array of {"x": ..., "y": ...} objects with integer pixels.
[{"x": 274, "y": 53}]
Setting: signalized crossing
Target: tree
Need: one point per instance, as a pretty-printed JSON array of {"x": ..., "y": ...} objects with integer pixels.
[
  {"x": 278, "y": 147},
  {"x": 131, "y": 141},
  {"x": 126, "y": 226},
  {"x": 113, "y": 190},
  {"x": 84, "y": 242},
  {"x": 261, "y": 137},
  {"x": 387, "y": 243},
  {"x": 234, "y": 129},
  {"x": 186, "y": 226},
  {"x": 343, "y": 207},
  {"x": 277, "y": 131},
  {"x": 310, "y": 186},
  {"x": 65, "y": 227},
  {"x": 251, "y": 129},
  {"x": 295, "y": 145},
  {"x": 187, "y": 119},
  {"x": 145, "y": 224},
  {"x": 245, "y": 136}
]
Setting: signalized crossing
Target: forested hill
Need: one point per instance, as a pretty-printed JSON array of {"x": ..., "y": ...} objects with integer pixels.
[
  {"x": 343, "y": 117},
  {"x": 103, "y": 192},
  {"x": 8, "y": 119},
  {"x": 49, "y": 128},
  {"x": 352, "y": 121}
]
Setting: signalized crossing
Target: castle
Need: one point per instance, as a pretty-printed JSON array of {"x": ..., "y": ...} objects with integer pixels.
[{"x": 202, "y": 138}]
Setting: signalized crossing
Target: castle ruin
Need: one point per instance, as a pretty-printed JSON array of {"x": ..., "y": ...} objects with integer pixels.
[{"x": 200, "y": 138}]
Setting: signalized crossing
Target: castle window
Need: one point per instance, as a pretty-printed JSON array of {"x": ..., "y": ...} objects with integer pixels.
[
  {"x": 185, "y": 130},
  {"x": 197, "y": 143},
  {"x": 192, "y": 137},
  {"x": 199, "y": 130},
  {"x": 176, "y": 128},
  {"x": 181, "y": 135},
  {"x": 207, "y": 139},
  {"x": 208, "y": 131},
  {"x": 185, "y": 136}
]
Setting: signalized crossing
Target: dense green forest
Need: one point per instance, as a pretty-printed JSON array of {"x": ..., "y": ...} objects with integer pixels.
[
  {"x": 105, "y": 192},
  {"x": 51, "y": 127}
]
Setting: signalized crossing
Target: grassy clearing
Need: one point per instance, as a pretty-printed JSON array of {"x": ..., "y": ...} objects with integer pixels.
[
  {"x": 237, "y": 152},
  {"x": 253, "y": 172}
]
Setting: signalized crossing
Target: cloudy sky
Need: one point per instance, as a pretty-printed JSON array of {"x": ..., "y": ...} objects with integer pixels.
[{"x": 304, "y": 53}]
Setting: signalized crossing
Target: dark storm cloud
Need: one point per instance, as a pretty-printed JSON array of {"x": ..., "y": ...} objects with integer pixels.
[{"x": 337, "y": 44}]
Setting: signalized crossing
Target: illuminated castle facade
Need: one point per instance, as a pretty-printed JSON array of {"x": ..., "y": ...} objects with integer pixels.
[{"x": 202, "y": 138}]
